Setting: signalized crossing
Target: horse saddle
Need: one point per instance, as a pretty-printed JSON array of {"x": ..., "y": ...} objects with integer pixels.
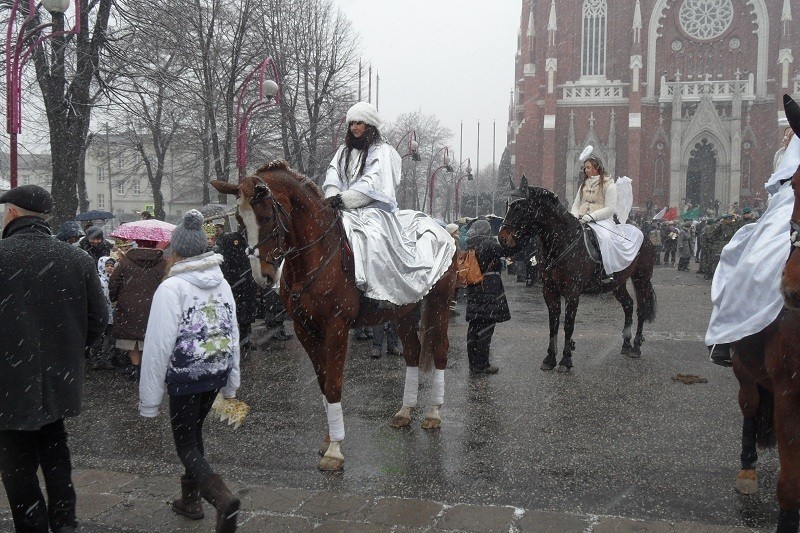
[{"x": 590, "y": 241}]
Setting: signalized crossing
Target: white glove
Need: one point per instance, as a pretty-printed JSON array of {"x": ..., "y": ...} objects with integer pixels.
[{"x": 587, "y": 218}]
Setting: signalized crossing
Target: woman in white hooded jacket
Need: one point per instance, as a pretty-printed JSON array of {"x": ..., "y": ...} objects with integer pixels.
[{"x": 192, "y": 345}]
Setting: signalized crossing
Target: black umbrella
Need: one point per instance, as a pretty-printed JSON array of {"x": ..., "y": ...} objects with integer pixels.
[{"x": 94, "y": 214}]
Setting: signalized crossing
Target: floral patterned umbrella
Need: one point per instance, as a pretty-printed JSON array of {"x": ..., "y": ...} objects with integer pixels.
[{"x": 145, "y": 230}]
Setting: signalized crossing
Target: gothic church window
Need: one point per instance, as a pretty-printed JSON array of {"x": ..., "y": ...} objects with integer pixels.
[
  {"x": 593, "y": 49},
  {"x": 706, "y": 19}
]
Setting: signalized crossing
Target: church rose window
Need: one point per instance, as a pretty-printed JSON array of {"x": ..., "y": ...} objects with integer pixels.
[{"x": 706, "y": 19}]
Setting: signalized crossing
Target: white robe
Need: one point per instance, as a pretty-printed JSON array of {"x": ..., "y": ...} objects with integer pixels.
[
  {"x": 399, "y": 255},
  {"x": 746, "y": 287}
]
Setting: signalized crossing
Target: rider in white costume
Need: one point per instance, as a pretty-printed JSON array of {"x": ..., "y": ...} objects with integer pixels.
[
  {"x": 746, "y": 287},
  {"x": 399, "y": 255},
  {"x": 596, "y": 203}
]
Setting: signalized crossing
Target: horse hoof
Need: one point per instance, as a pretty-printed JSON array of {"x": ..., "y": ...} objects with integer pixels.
[
  {"x": 626, "y": 350},
  {"x": 431, "y": 423},
  {"x": 747, "y": 482},
  {"x": 547, "y": 367},
  {"x": 563, "y": 369},
  {"x": 636, "y": 352},
  {"x": 331, "y": 464},
  {"x": 323, "y": 448},
  {"x": 400, "y": 422}
]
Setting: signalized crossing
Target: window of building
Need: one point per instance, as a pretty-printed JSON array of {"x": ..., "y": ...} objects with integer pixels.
[
  {"x": 658, "y": 181},
  {"x": 137, "y": 187},
  {"x": 101, "y": 201},
  {"x": 593, "y": 48},
  {"x": 121, "y": 187},
  {"x": 100, "y": 174}
]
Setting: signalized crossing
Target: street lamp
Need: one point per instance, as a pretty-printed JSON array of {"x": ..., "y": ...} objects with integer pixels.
[
  {"x": 432, "y": 181},
  {"x": 469, "y": 177},
  {"x": 413, "y": 146},
  {"x": 19, "y": 48},
  {"x": 268, "y": 95}
]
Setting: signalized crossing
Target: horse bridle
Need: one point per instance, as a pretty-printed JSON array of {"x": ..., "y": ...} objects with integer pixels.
[
  {"x": 794, "y": 236},
  {"x": 550, "y": 262},
  {"x": 263, "y": 193}
]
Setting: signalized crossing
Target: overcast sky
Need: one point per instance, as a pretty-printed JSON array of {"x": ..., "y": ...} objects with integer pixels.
[{"x": 449, "y": 58}]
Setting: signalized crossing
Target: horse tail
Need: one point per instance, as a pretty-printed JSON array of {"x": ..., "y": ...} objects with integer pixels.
[
  {"x": 765, "y": 419},
  {"x": 649, "y": 306}
]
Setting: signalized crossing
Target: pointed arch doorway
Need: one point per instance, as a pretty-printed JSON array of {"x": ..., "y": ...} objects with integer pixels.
[{"x": 701, "y": 175}]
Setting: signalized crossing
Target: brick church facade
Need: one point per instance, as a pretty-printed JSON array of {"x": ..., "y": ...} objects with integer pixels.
[{"x": 682, "y": 96}]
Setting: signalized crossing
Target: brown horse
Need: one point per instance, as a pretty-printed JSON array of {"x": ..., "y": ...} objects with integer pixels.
[
  {"x": 287, "y": 222},
  {"x": 568, "y": 271},
  {"x": 767, "y": 365}
]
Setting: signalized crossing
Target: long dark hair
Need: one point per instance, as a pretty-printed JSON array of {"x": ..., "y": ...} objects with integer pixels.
[
  {"x": 371, "y": 136},
  {"x": 598, "y": 164}
]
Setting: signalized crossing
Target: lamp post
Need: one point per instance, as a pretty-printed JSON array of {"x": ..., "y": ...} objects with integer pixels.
[
  {"x": 413, "y": 146},
  {"x": 268, "y": 95},
  {"x": 19, "y": 47},
  {"x": 432, "y": 181},
  {"x": 470, "y": 177}
]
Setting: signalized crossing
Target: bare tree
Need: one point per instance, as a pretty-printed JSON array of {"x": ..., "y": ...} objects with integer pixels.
[
  {"x": 66, "y": 67},
  {"x": 432, "y": 137},
  {"x": 316, "y": 53}
]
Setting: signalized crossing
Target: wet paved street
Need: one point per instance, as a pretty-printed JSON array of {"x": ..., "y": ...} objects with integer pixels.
[{"x": 616, "y": 438}]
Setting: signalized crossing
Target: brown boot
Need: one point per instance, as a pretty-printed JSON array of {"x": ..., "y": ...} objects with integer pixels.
[
  {"x": 215, "y": 492},
  {"x": 188, "y": 504}
]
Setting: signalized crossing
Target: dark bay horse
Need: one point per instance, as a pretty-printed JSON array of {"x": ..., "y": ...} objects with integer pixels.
[
  {"x": 288, "y": 223},
  {"x": 767, "y": 365},
  {"x": 568, "y": 271}
]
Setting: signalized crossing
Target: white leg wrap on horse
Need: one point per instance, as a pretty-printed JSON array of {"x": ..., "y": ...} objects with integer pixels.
[
  {"x": 412, "y": 386},
  {"x": 335, "y": 421},
  {"x": 437, "y": 389}
]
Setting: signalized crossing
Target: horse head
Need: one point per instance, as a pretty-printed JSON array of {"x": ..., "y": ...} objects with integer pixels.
[
  {"x": 263, "y": 213},
  {"x": 525, "y": 216}
]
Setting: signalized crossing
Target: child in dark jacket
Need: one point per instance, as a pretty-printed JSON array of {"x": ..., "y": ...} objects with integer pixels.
[{"x": 486, "y": 301}]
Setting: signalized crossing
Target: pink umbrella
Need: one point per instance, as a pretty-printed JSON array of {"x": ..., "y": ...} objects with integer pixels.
[{"x": 145, "y": 230}]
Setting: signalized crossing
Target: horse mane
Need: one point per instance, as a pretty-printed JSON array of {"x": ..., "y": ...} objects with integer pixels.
[
  {"x": 282, "y": 166},
  {"x": 546, "y": 194}
]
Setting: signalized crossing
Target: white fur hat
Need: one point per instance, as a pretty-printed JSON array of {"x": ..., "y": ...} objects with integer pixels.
[{"x": 366, "y": 113}]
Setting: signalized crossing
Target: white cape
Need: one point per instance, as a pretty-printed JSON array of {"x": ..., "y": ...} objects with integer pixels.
[
  {"x": 618, "y": 243},
  {"x": 398, "y": 256},
  {"x": 746, "y": 287}
]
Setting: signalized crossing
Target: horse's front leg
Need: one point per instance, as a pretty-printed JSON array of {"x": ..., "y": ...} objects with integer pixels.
[
  {"x": 749, "y": 403},
  {"x": 332, "y": 370},
  {"x": 553, "y": 301},
  {"x": 407, "y": 331},
  {"x": 571, "y": 309},
  {"x": 623, "y": 297}
]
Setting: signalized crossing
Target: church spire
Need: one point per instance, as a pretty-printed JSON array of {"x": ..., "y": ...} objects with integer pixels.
[
  {"x": 531, "y": 23},
  {"x": 552, "y": 23},
  {"x": 637, "y": 23},
  {"x": 786, "y": 15}
]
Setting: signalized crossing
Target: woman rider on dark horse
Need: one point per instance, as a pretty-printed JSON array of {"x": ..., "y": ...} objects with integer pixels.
[{"x": 596, "y": 203}]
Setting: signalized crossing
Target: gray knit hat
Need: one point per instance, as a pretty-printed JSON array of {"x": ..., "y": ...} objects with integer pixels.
[{"x": 189, "y": 239}]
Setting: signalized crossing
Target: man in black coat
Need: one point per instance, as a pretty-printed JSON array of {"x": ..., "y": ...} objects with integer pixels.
[
  {"x": 52, "y": 308},
  {"x": 236, "y": 269}
]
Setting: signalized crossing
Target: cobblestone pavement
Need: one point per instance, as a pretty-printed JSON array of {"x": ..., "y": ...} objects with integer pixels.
[
  {"x": 614, "y": 446},
  {"x": 120, "y": 502}
]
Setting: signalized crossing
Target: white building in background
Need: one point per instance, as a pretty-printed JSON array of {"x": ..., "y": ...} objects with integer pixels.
[{"x": 117, "y": 180}]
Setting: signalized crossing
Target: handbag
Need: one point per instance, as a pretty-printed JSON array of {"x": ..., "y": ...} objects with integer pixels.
[{"x": 468, "y": 269}]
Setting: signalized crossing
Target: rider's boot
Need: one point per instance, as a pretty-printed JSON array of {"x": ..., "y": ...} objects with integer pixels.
[{"x": 721, "y": 354}]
